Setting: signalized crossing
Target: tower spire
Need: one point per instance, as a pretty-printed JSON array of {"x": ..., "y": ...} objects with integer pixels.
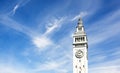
[
  {"x": 80, "y": 22},
  {"x": 80, "y": 27}
]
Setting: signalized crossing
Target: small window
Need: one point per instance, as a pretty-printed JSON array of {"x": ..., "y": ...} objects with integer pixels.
[
  {"x": 82, "y": 39},
  {"x": 77, "y": 39},
  {"x": 80, "y": 68},
  {"x": 79, "y": 71},
  {"x": 76, "y": 66}
]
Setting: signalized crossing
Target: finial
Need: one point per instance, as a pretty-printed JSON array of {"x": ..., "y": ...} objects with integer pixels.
[{"x": 80, "y": 21}]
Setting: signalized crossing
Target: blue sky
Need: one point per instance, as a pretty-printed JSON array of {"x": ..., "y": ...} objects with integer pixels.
[{"x": 36, "y": 35}]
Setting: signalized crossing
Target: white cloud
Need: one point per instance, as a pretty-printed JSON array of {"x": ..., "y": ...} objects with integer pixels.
[
  {"x": 81, "y": 14},
  {"x": 59, "y": 58},
  {"x": 107, "y": 33},
  {"x": 106, "y": 69},
  {"x": 47, "y": 66},
  {"x": 10, "y": 68},
  {"x": 101, "y": 59},
  {"x": 42, "y": 42},
  {"x": 15, "y": 8},
  {"x": 39, "y": 42},
  {"x": 116, "y": 53},
  {"x": 19, "y": 4},
  {"x": 101, "y": 63},
  {"x": 54, "y": 25},
  {"x": 109, "y": 66},
  {"x": 63, "y": 48},
  {"x": 5, "y": 20},
  {"x": 97, "y": 58},
  {"x": 51, "y": 65},
  {"x": 103, "y": 29}
]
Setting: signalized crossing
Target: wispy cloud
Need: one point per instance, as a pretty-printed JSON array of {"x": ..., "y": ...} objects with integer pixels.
[
  {"x": 11, "y": 68},
  {"x": 40, "y": 41},
  {"x": 15, "y": 8},
  {"x": 43, "y": 41},
  {"x": 103, "y": 58},
  {"x": 58, "y": 56},
  {"x": 108, "y": 66},
  {"x": 19, "y": 4},
  {"x": 60, "y": 63},
  {"x": 99, "y": 32},
  {"x": 105, "y": 69},
  {"x": 81, "y": 14},
  {"x": 54, "y": 25},
  {"x": 34, "y": 35},
  {"x": 103, "y": 30},
  {"x": 48, "y": 66},
  {"x": 100, "y": 62},
  {"x": 7, "y": 21},
  {"x": 59, "y": 60}
]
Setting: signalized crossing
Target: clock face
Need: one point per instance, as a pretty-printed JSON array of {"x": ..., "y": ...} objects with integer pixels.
[{"x": 79, "y": 54}]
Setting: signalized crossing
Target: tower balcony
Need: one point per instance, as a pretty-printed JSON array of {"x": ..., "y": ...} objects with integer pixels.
[{"x": 82, "y": 42}]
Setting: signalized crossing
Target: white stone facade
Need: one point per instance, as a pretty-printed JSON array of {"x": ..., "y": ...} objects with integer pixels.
[{"x": 80, "y": 52}]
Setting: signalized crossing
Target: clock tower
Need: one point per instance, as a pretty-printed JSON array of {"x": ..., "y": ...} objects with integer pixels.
[{"x": 80, "y": 49}]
